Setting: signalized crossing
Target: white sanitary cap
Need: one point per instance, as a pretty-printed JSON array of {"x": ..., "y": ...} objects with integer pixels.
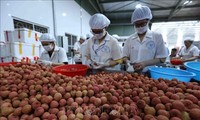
[
  {"x": 188, "y": 39},
  {"x": 81, "y": 37},
  {"x": 141, "y": 13},
  {"x": 46, "y": 37},
  {"x": 116, "y": 36},
  {"x": 88, "y": 36},
  {"x": 98, "y": 21}
]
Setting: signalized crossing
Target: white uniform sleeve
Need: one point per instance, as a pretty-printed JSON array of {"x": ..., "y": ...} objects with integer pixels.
[
  {"x": 116, "y": 51},
  {"x": 87, "y": 48},
  {"x": 76, "y": 46},
  {"x": 62, "y": 55},
  {"x": 195, "y": 51},
  {"x": 126, "y": 49},
  {"x": 161, "y": 51},
  {"x": 180, "y": 52},
  {"x": 42, "y": 56}
]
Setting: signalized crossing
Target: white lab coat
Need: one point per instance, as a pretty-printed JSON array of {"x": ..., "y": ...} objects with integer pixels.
[
  {"x": 105, "y": 51},
  {"x": 58, "y": 55},
  {"x": 151, "y": 47},
  {"x": 83, "y": 49},
  {"x": 190, "y": 52},
  {"x": 77, "y": 47}
]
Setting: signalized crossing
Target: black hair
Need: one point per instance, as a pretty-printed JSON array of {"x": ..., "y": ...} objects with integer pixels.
[{"x": 174, "y": 49}]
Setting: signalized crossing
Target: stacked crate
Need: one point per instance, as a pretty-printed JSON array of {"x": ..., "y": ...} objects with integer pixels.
[{"x": 20, "y": 45}]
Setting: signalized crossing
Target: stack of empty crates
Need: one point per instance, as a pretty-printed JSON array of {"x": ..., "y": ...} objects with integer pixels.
[{"x": 21, "y": 45}]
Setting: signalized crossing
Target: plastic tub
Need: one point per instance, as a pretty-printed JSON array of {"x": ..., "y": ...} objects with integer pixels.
[
  {"x": 193, "y": 67},
  {"x": 170, "y": 73},
  {"x": 71, "y": 69},
  {"x": 8, "y": 63}
]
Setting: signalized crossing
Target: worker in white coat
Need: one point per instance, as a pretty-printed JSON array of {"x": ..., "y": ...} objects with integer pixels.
[
  {"x": 52, "y": 54},
  {"x": 77, "y": 50},
  {"x": 103, "y": 50},
  {"x": 83, "y": 48},
  {"x": 145, "y": 47},
  {"x": 189, "y": 52}
]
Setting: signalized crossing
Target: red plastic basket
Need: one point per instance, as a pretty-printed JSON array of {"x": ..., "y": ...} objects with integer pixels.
[
  {"x": 8, "y": 63},
  {"x": 176, "y": 62},
  {"x": 71, "y": 69}
]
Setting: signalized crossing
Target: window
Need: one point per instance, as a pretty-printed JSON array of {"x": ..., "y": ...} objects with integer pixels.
[
  {"x": 19, "y": 23},
  {"x": 71, "y": 41}
]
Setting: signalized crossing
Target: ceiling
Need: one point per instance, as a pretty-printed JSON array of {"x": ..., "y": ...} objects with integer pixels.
[{"x": 120, "y": 11}]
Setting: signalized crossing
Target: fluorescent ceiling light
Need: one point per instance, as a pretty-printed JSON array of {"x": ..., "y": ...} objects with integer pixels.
[
  {"x": 138, "y": 6},
  {"x": 64, "y": 14},
  {"x": 187, "y": 2}
]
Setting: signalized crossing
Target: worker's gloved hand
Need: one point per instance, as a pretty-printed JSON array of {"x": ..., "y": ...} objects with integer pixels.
[
  {"x": 100, "y": 65},
  {"x": 89, "y": 63},
  {"x": 138, "y": 66},
  {"x": 130, "y": 68},
  {"x": 44, "y": 62}
]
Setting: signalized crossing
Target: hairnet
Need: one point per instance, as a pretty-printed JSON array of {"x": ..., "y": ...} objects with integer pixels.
[
  {"x": 116, "y": 36},
  {"x": 188, "y": 37},
  {"x": 99, "y": 21},
  {"x": 81, "y": 37},
  {"x": 141, "y": 13},
  {"x": 46, "y": 37}
]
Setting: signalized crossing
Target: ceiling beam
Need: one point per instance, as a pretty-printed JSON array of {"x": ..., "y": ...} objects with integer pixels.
[
  {"x": 149, "y": 3},
  {"x": 157, "y": 19},
  {"x": 94, "y": 6},
  {"x": 123, "y": 6},
  {"x": 112, "y": 1},
  {"x": 99, "y": 5},
  {"x": 152, "y": 9},
  {"x": 172, "y": 12}
]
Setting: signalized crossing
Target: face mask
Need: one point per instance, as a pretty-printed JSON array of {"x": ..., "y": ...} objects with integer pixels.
[
  {"x": 100, "y": 35},
  {"x": 141, "y": 30},
  {"x": 48, "y": 47}
]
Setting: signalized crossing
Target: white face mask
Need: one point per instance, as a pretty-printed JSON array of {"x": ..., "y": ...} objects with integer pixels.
[
  {"x": 141, "y": 30},
  {"x": 101, "y": 35},
  {"x": 48, "y": 47}
]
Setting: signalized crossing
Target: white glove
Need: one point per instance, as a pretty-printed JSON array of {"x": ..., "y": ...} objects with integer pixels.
[
  {"x": 44, "y": 62},
  {"x": 130, "y": 67}
]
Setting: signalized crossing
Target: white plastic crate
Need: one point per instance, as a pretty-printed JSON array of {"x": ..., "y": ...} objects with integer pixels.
[
  {"x": 23, "y": 49},
  {"x": 27, "y": 59},
  {"x": 26, "y": 36},
  {"x": 4, "y": 49},
  {"x": 9, "y": 36}
]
